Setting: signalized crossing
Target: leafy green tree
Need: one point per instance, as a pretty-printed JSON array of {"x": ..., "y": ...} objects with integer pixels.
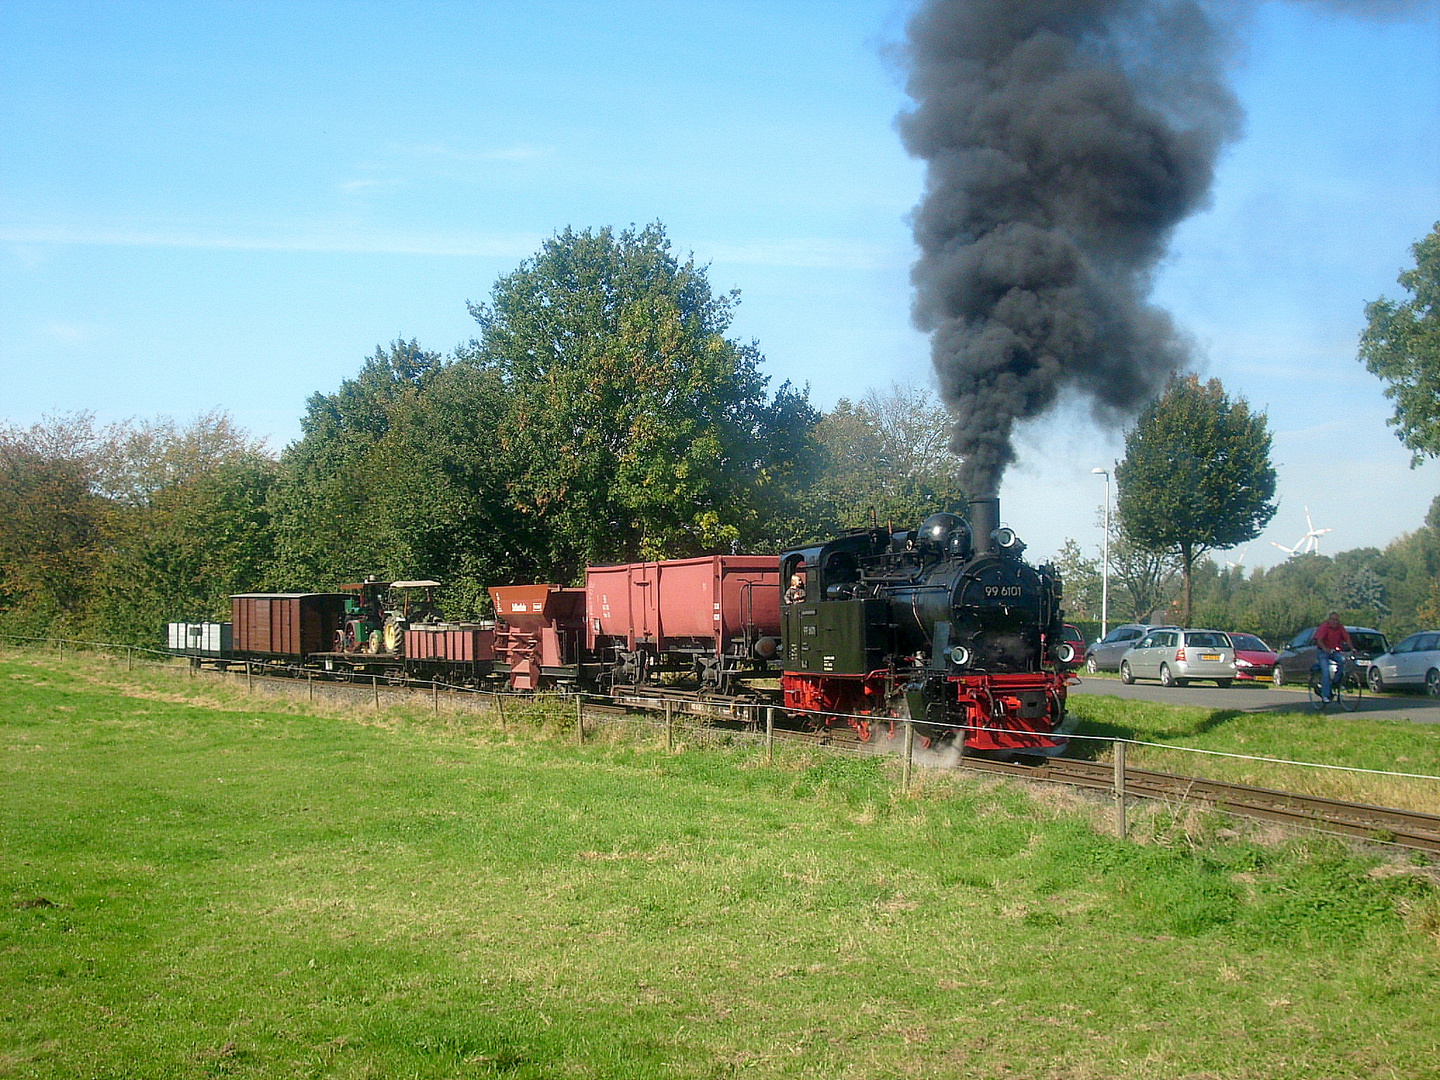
[
  {"x": 885, "y": 455},
  {"x": 51, "y": 522},
  {"x": 634, "y": 427},
  {"x": 326, "y": 499},
  {"x": 187, "y": 524},
  {"x": 1196, "y": 476},
  {"x": 1080, "y": 576},
  {"x": 1142, "y": 578},
  {"x": 1401, "y": 345}
]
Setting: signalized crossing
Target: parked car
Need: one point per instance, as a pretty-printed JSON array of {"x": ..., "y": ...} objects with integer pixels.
[
  {"x": 1295, "y": 660},
  {"x": 1071, "y": 635},
  {"x": 1176, "y": 656},
  {"x": 1105, "y": 654},
  {"x": 1253, "y": 658},
  {"x": 1413, "y": 662}
]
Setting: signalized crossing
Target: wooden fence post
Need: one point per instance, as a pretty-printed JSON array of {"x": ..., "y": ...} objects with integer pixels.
[
  {"x": 769, "y": 734},
  {"x": 435, "y": 696},
  {"x": 669, "y": 729},
  {"x": 1120, "y": 822},
  {"x": 375, "y": 685},
  {"x": 498, "y": 700},
  {"x": 249, "y": 679},
  {"x": 580, "y": 719},
  {"x": 909, "y": 753}
]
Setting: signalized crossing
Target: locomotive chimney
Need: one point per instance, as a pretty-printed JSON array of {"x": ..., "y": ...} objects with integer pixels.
[{"x": 984, "y": 520}]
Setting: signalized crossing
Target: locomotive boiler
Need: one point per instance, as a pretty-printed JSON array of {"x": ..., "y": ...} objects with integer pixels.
[{"x": 946, "y": 624}]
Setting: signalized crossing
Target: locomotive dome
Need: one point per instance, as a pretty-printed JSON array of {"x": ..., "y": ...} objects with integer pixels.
[{"x": 937, "y": 528}]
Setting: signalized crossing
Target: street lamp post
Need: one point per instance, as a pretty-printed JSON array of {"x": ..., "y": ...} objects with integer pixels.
[{"x": 1105, "y": 558}]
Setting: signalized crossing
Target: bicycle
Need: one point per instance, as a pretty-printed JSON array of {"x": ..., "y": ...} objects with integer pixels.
[{"x": 1346, "y": 686}]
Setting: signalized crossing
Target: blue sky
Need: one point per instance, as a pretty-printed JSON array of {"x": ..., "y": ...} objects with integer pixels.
[{"x": 210, "y": 205}]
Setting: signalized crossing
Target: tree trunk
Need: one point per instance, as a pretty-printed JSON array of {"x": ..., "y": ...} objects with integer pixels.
[{"x": 1187, "y": 556}]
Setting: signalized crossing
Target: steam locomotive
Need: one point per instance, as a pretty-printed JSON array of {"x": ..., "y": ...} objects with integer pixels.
[{"x": 946, "y": 625}]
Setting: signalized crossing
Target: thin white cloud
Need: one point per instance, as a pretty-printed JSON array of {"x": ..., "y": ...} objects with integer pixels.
[
  {"x": 511, "y": 245},
  {"x": 69, "y": 333},
  {"x": 519, "y": 152},
  {"x": 367, "y": 184},
  {"x": 812, "y": 253},
  {"x": 523, "y": 152}
]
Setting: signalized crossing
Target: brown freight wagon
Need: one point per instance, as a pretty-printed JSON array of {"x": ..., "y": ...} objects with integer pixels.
[
  {"x": 286, "y": 626},
  {"x": 451, "y": 650}
]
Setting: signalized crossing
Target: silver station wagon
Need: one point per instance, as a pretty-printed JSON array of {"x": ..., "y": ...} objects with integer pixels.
[
  {"x": 1414, "y": 662},
  {"x": 1175, "y": 657}
]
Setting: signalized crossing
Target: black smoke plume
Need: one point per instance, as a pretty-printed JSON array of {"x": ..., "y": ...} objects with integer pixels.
[{"x": 1065, "y": 140}]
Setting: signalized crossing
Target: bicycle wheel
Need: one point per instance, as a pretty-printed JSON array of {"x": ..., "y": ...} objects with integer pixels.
[
  {"x": 1349, "y": 691},
  {"x": 1312, "y": 692}
]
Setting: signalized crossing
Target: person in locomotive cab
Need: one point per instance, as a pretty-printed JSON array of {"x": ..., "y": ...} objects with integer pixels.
[
  {"x": 1332, "y": 640},
  {"x": 796, "y": 592}
]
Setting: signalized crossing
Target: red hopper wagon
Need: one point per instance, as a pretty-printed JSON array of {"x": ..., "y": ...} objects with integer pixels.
[
  {"x": 714, "y": 616},
  {"x": 539, "y": 632}
]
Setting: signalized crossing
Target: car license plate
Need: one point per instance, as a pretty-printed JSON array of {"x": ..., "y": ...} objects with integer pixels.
[{"x": 1209, "y": 656}]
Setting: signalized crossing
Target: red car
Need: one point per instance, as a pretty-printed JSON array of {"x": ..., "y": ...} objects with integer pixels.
[
  {"x": 1253, "y": 658},
  {"x": 1071, "y": 635}
]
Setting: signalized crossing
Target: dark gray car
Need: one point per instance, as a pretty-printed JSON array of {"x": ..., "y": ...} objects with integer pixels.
[
  {"x": 1297, "y": 658},
  {"x": 1105, "y": 654}
]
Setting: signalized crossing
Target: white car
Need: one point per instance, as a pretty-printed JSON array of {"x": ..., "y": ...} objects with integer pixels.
[{"x": 1413, "y": 662}]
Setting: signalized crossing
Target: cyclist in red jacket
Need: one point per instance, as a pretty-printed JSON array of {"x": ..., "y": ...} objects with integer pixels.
[{"x": 1332, "y": 640}]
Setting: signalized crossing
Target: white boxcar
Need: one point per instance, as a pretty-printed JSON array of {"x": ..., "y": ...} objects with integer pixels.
[{"x": 200, "y": 639}]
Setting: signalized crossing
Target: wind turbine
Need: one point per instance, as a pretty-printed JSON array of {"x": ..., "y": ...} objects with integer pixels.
[
  {"x": 1309, "y": 542},
  {"x": 1239, "y": 562}
]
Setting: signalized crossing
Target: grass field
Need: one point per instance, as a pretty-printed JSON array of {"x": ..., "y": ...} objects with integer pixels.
[{"x": 197, "y": 885}]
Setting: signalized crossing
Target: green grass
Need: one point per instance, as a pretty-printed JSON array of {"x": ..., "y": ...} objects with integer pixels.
[
  {"x": 1348, "y": 739},
  {"x": 198, "y": 886}
]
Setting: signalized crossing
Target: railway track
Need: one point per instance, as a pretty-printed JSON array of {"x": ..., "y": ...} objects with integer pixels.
[
  {"x": 1403, "y": 828},
  {"x": 1380, "y": 824}
]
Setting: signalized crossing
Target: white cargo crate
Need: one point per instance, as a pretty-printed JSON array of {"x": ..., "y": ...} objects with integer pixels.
[{"x": 200, "y": 639}]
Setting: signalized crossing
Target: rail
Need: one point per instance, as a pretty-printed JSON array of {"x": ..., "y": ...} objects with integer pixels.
[{"x": 1376, "y": 824}]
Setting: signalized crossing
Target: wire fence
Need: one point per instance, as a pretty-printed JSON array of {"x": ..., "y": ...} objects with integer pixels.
[{"x": 690, "y": 721}]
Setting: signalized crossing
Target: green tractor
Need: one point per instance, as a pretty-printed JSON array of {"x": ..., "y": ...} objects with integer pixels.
[{"x": 371, "y": 625}]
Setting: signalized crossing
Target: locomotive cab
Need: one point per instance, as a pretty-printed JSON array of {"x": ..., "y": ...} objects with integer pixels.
[{"x": 830, "y": 623}]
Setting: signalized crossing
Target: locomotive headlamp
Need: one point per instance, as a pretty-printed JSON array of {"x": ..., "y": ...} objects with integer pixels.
[
  {"x": 959, "y": 656},
  {"x": 1005, "y": 537},
  {"x": 1065, "y": 652}
]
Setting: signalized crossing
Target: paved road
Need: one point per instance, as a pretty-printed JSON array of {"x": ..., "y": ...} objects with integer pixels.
[{"x": 1259, "y": 697}]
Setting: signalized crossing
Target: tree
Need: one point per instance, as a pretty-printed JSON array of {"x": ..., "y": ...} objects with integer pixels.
[
  {"x": 1142, "y": 579},
  {"x": 1081, "y": 578},
  {"x": 886, "y": 454},
  {"x": 50, "y": 521},
  {"x": 1401, "y": 345},
  {"x": 325, "y": 501},
  {"x": 634, "y": 427},
  {"x": 1196, "y": 476}
]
